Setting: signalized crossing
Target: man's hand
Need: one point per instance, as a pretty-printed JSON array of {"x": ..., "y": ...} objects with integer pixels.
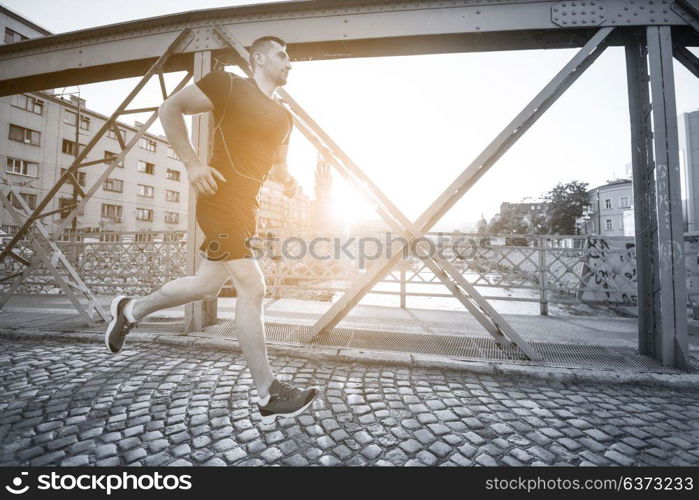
[{"x": 203, "y": 179}]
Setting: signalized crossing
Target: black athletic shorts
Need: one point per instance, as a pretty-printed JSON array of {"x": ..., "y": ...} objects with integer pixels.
[{"x": 227, "y": 222}]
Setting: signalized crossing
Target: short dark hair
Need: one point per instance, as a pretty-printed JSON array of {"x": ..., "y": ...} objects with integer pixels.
[{"x": 262, "y": 44}]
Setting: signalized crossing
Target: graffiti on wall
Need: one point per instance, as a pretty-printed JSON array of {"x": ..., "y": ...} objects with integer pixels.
[{"x": 609, "y": 272}]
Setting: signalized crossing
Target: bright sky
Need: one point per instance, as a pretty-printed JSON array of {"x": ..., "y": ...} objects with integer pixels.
[{"x": 414, "y": 123}]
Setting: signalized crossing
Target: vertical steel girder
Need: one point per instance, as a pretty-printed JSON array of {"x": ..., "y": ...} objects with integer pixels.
[
  {"x": 34, "y": 217},
  {"x": 670, "y": 343},
  {"x": 662, "y": 293},
  {"x": 461, "y": 288},
  {"x": 200, "y": 314},
  {"x": 643, "y": 190}
]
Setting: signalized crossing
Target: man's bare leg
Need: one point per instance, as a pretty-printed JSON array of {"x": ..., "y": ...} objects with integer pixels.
[
  {"x": 204, "y": 285},
  {"x": 250, "y": 289}
]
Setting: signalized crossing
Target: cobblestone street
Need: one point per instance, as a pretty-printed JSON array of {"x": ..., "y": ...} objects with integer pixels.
[{"x": 73, "y": 404}]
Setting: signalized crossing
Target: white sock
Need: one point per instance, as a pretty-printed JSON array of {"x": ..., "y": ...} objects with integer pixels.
[
  {"x": 128, "y": 311},
  {"x": 263, "y": 401}
]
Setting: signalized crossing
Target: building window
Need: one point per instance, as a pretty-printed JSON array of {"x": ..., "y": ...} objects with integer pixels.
[
  {"x": 144, "y": 214},
  {"x": 145, "y": 167},
  {"x": 29, "y": 198},
  {"x": 147, "y": 144},
  {"x": 25, "y": 135},
  {"x": 12, "y": 36},
  {"x": 144, "y": 190},
  {"x": 171, "y": 153},
  {"x": 29, "y": 103},
  {"x": 22, "y": 167},
  {"x": 173, "y": 175},
  {"x": 608, "y": 225},
  {"x": 72, "y": 117},
  {"x": 172, "y": 218},
  {"x": 111, "y": 134},
  {"x": 111, "y": 211},
  {"x": 68, "y": 147},
  {"x": 624, "y": 202},
  {"x": 110, "y": 154},
  {"x": 608, "y": 203},
  {"x": 115, "y": 185},
  {"x": 172, "y": 195},
  {"x": 110, "y": 237},
  {"x": 82, "y": 176}
]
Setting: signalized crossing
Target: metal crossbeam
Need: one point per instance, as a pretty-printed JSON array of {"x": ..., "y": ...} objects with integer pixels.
[
  {"x": 33, "y": 218},
  {"x": 324, "y": 29}
]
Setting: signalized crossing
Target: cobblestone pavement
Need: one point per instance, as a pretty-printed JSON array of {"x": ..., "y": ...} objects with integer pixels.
[{"x": 74, "y": 404}]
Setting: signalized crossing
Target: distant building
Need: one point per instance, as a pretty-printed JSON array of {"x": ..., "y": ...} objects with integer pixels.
[
  {"x": 16, "y": 28},
  {"x": 609, "y": 205},
  {"x": 277, "y": 211},
  {"x": 147, "y": 191},
  {"x": 688, "y": 132}
]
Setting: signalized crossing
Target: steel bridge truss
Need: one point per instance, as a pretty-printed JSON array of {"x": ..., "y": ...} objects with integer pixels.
[
  {"x": 43, "y": 243},
  {"x": 646, "y": 32}
]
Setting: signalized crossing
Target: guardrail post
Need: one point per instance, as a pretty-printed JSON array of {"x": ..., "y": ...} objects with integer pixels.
[
  {"x": 543, "y": 303},
  {"x": 277, "y": 287},
  {"x": 402, "y": 287}
]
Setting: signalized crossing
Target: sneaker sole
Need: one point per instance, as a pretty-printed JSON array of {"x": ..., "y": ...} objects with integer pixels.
[
  {"x": 113, "y": 309},
  {"x": 269, "y": 419}
]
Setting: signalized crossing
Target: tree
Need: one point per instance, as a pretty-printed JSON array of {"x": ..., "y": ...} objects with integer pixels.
[
  {"x": 509, "y": 224},
  {"x": 565, "y": 203}
]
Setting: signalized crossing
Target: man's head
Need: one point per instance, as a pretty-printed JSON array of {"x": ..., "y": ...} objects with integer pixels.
[{"x": 268, "y": 55}]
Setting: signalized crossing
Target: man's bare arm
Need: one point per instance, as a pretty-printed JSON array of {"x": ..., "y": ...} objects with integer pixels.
[{"x": 188, "y": 101}]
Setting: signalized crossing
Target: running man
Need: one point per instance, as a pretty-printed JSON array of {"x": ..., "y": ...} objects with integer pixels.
[{"x": 251, "y": 134}]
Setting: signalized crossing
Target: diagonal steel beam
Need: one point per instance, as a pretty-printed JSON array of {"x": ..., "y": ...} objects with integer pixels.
[
  {"x": 51, "y": 262},
  {"x": 466, "y": 293},
  {"x": 460, "y": 288},
  {"x": 510, "y": 134},
  {"x": 688, "y": 60}
]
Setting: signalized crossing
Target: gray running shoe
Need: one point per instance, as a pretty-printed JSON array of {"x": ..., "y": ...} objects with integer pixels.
[
  {"x": 119, "y": 327},
  {"x": 286, "y": 401}
]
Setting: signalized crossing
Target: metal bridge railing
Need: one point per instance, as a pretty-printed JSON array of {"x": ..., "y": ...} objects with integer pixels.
[{"x": 590, "y": 270}]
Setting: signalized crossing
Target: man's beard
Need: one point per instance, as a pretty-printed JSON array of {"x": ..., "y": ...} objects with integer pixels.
[{"x": 281, "y": 78}]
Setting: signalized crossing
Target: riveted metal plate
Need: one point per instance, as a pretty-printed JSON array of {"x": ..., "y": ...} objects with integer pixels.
[
  {"x": 641, "y": 12},
  {"x": 578, "y": 13}
]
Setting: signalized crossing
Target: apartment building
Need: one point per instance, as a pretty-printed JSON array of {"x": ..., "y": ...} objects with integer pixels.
[
  {"x": 277, "y": 211},
  {"x": 147, "y": 191},
  {"x": 610, "y": 212}
]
